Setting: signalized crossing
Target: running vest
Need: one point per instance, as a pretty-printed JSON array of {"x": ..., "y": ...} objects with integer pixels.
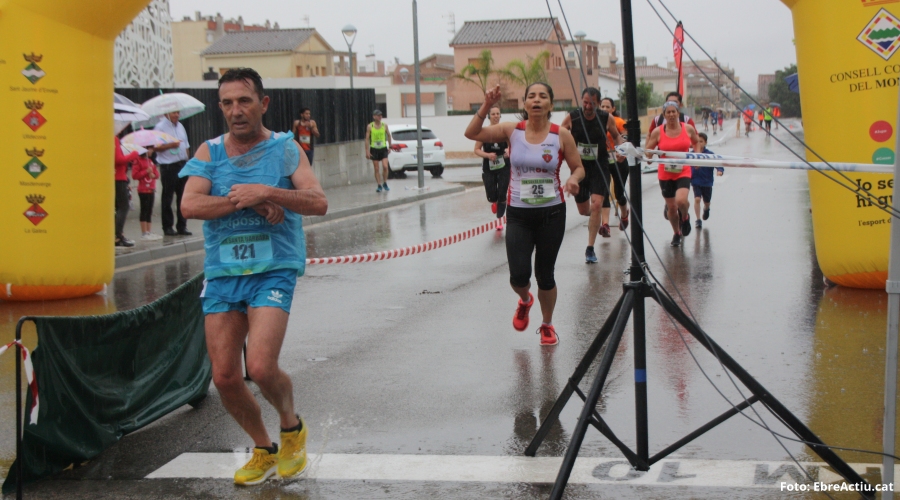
[
  {"x": 682, "y": 144},
  {"x": 245, "y": 242},
  {"x": 660, "y": 119},
  {"x": 304, "y": 137},
  {"x": 378, "y": 136},
  {"x": 590, "y": 136},
  {"x": 497, "y": 148},
  {"x": 534, "y": 176}
]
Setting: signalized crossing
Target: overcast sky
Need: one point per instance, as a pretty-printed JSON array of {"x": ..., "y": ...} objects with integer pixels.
[{"x": 752, "y": 36}]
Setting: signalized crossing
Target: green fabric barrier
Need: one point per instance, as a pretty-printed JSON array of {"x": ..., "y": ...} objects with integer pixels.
[{"x": 101, "y": 377}]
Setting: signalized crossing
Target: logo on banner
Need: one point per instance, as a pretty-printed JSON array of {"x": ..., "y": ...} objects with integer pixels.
[
  {"x": 35, "y": 213},
  {"x": 35, "y": 167},
  {"x": 882, "y": 34},
  {"x": 34, "y": 119},
  {"x": 33, "y": 72}
]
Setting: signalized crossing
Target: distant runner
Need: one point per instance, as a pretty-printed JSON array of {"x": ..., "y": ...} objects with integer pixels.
[
  {"x": 748, "y": 121},
  {"x": 674, "y": 180},
  {"x": 305, "y": 130},
  {"x": 378, "y": 143},
  {"x": 495, "y": 169},
  {"x": 618, "y": 164},
  {"x": 589, "y": 126},
  {"x": 683, "y": 118},
  {"x": 767, "y": 116},
  {"x": 702, "y": 180},
  {"x": 714, "y": 117}
]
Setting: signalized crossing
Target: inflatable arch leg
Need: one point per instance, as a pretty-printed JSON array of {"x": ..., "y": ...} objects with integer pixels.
[
  {"x": 56, "y": 194},
  {"x": 848, "y": 68}
]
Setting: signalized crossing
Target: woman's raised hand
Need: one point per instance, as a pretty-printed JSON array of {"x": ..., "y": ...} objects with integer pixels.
[{"x": 493, "y": 96}]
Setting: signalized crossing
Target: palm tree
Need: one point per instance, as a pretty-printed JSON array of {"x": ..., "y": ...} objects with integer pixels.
[
  {"x": 526, "y": 73},
  {"x": 481, "y": 70}
]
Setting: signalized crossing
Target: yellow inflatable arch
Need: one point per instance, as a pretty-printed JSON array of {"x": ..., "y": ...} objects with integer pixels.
[
  {"x": 56, "y": 196},
  {"x": 848, "y": 67}
]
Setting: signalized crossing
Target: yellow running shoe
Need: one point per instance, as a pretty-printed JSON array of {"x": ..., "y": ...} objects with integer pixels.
[
  {"x": 292, "y": 456},
  {"x": 261, "y": 467}
]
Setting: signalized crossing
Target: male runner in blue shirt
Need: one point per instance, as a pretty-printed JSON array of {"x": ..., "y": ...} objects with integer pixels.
[{"x": 251, "y": 187}]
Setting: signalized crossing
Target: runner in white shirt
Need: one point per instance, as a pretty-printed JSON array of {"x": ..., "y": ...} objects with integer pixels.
[{"x": 536, "y": 213}]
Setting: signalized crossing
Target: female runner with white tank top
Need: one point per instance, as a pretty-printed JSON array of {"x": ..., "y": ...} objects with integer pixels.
[{"x": 536, "y": 212}]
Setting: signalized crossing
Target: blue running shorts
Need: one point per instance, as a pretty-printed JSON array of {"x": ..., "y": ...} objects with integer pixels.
[{"x": 237, "y": 293}]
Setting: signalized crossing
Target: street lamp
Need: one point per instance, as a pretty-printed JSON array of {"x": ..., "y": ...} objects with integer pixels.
[
  {"x": 614, "y": 64},
  {"x": 349, "y": 32},
  {"x": 580, "y": 36}
]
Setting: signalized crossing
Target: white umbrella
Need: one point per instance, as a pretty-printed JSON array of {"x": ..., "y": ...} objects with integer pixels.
[
  {"x": 120, "y": 99},
  {"x": 129, "y": 147},
  {"x": 160, "y": 105},
  {"x": 125, "y": 111}
]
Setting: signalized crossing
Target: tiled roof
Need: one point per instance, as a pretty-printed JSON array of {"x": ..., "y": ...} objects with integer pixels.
[
  {"x": 649, "y": 71},
  {"x": 504, "y": 31},
  {"x": 259, "y": 41}
]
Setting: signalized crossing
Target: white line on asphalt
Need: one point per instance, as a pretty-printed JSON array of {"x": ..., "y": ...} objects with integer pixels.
[{"x": 506, "y": 469}]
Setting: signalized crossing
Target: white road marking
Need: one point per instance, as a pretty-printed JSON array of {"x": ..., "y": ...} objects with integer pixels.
[{"x": 506, "y": 469}]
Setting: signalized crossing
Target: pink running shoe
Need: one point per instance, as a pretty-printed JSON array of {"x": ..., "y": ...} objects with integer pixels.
[
  {"x": 548, "y": 335},
  {"x": 520, "y": 319}
]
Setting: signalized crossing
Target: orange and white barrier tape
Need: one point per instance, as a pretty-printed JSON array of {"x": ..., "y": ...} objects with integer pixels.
[
  {"x": 403, "y": 252},
  {"x": 29, "y": 376}
]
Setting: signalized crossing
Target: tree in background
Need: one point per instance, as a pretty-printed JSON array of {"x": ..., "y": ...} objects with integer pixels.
[
  {"x": 478, "y": 72},
  {"x": 528, "y": 72},
  {"x": 780, "y": 93},
  {"x": 646, "y": 98}
]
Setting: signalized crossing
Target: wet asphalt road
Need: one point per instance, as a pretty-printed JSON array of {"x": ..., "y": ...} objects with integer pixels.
[{"x": 417, "y": 356}]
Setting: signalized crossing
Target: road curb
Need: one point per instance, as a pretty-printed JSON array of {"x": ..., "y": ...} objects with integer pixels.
[
  {"x": 192, "y": 245},
  {"x": 350, "y": 212}
]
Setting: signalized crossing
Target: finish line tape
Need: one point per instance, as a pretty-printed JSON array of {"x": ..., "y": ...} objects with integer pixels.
[
  {"x": 403, "y": 252},
  {"x": 29, "y": 376},
  {"x": 714, "y": 160}
]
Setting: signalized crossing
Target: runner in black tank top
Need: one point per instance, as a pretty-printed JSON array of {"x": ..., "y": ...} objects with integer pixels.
[
  {"x": 495, "y": 169},
  {"x": 589, "y": 126}
]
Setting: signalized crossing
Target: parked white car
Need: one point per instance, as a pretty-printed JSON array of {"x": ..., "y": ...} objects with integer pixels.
[{"x": 403, "y": 152}]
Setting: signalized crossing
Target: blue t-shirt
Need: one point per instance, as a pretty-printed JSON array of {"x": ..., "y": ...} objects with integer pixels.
[
  {"x": 704, "y": 176},
  {"x": 245, "y": 242}
]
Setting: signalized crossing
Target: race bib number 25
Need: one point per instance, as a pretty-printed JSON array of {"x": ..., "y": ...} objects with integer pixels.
[{"x": 537, "y": 191}]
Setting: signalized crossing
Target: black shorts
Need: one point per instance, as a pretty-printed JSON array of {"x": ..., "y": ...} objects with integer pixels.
[
  {"x": 670, "y": 187},
  {"x": 704, "y": 192},
  {"x": 596, "y": 181},
  {"x": 496, "y": 184},
  {"x": 539, "y": 232},
  {"x": 378, "y": 154}
]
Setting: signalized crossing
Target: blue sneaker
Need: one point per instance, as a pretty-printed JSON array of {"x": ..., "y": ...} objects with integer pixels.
[
  {"x": 379, "y": 189},
  {"x": 386, "y": 188},
  {"x": 589, "y": 256}
]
